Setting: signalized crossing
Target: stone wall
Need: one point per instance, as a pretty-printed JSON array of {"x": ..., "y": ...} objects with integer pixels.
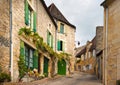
[
  {"x": 69, "y": 38},
  {"x": 43, "y": 21},
  {"x": 99, "y": 38},
  {"x": 113, "y": 44},
  {"x": 4, "y": 35}
]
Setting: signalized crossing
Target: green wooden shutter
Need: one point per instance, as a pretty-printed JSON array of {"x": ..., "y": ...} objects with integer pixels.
[
  {"x": 61, "y": 28},
  {"x": 34, "y": 22},
  {"x": 58, "y": 45},
  {"x": 26, "y": 13},
  {"x": 35, "y": 60},
  {"x": 22, "y": 49},
  {"x": 51, "y": 41}
]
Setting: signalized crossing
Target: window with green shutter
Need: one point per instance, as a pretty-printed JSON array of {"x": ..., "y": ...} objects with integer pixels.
[
  {"x": 49, "y": 39},
  {"x": 60, "y": 45},
  {"x": 35, "y": 60},
  {"x": 26, "y": 13},
  {"x": 30, "y": 16},
  {"x": 34, "y": 22},
  {"x": 61, "y": 28},
  {"x": 29, "y": 53}
]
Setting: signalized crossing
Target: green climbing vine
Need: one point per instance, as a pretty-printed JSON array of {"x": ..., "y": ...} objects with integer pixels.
[
  {"x": 21, "y": 62},
  {"x": 40, "y": 45}
]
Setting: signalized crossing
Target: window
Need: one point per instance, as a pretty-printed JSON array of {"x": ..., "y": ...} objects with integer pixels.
[
  {"x": 60, "y": 45},
  {"x": 49, "y": 39},
  {"x": 94, "y": 53},
  {"x": 61, "y": 28},
  {"x": 29, "y": 56},
  {"x": 89, "y": 54},
  {"x": 87, "y": 67},
  {"x": 30, "y": 16}
]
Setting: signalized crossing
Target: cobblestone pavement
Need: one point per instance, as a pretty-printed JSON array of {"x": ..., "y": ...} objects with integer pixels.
[{"x": 75, "y": 79}]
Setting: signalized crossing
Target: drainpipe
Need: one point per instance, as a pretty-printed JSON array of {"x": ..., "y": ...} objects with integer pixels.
[
  {"x": 11, "y": 45},
  {"x": 106, "y": 43}
]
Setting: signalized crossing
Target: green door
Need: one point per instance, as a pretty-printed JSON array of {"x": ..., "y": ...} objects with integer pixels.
[
  {"x": 62, "y": 67},
  {"x": 46, "y": 60}
]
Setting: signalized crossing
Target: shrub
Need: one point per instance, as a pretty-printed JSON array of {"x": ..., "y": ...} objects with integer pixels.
[{"x": 4, "y": 77}]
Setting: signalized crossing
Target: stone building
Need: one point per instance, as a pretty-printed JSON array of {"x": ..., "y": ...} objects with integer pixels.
[
  {"x": 34, "y": 15},
  {"x": 111, "y": 42},
  {"x": 99, "y": 51},
  {"x": 87, "y": 57},
  {"x": 65, "y": 36}
]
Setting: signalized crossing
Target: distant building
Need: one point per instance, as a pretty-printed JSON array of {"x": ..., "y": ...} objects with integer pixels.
[
  {"x": 87, "y": 57},
  {"x": 99, "y": 52}
]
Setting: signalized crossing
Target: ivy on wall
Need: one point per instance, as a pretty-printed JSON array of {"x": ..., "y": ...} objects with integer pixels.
[
  {"x": 21, "y": 62},
  {"x": 40, "y": 45}
]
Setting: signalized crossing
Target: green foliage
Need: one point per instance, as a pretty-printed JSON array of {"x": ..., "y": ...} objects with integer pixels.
[
  {"x": 21, "y": 62},
  {"x": 40, "y": 45},
  {"x": 26, "y": 31},
  {"x": 22, "y": 67},
  {"x": 4, "y": 77}
]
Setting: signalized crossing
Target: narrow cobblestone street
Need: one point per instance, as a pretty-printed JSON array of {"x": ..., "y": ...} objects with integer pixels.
[{"x": 75, "y": 79}]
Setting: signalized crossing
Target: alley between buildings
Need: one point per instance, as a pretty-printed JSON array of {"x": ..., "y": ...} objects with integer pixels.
[{"x": 78, "y": 78}]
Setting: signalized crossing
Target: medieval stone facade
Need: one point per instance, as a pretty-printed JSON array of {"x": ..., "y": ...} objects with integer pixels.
[
  {"x": 35, "y": 16},
  {"x": 65, "y": 35},
  {"x": 44, "y": 23}
]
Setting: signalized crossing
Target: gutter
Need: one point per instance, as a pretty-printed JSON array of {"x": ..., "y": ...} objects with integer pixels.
[{"x": 11, "y": 45}]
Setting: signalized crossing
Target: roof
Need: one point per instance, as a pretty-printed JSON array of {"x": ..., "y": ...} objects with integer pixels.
[
  {"x": 93, "y": 46},
  {"x": 77, "y": 50},
  {"x": 106, "y": 3},
  {"x": 45, "y": 6},
  {"x": 100, "y": 52},
  {"x": 58, "y": 15},
  {"x": 83, "y": 51}
]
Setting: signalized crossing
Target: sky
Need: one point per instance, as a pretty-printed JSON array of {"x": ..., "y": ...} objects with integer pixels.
[{"x": 84, "y": 14}]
